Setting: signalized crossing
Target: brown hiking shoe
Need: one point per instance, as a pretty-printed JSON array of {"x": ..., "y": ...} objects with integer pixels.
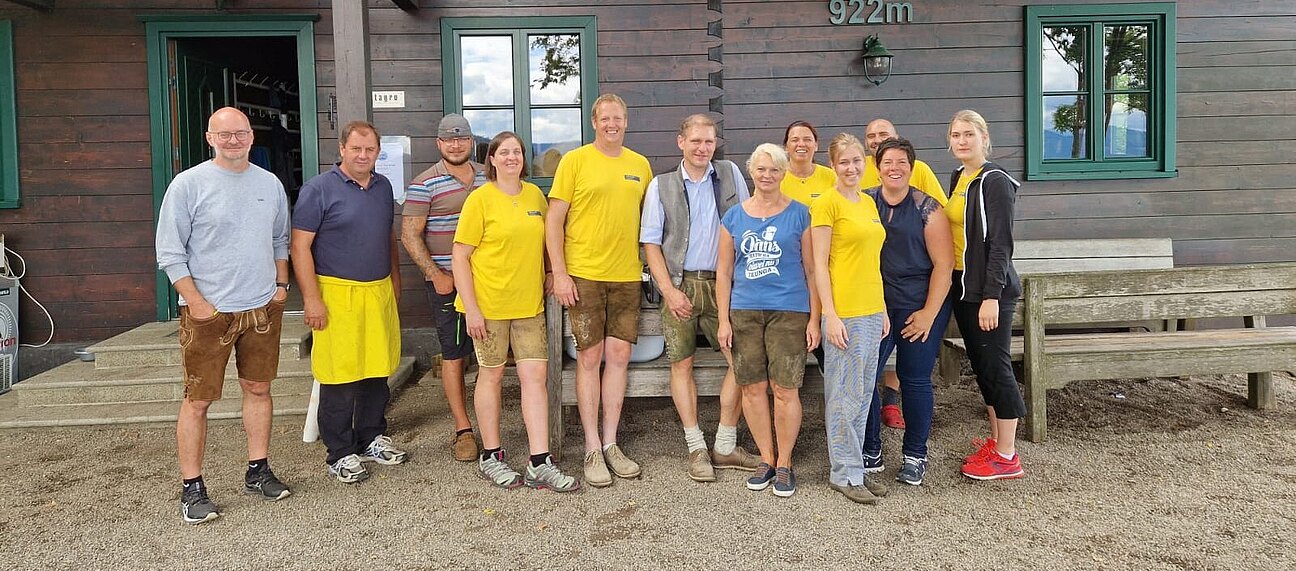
[
  {"x": 699, "y": 466},
  {"x": 739, "y": 459},
  {"x": 464, "y": 447},
  {"x": 596, "y": 472},
  {"x": 875, "y": 487},
  {"x": 857, "y": 494},
  {"x": 620, "y": 465}
]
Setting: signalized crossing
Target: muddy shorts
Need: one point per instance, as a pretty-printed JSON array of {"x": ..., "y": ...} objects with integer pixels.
[
  {"x": 605, "y": 309},
  {"x": 769, "y": 345},
  {"x": 527, "y": 337},
  {"x": 681, "y": 334},
  {"x": 206, "y": 344}
]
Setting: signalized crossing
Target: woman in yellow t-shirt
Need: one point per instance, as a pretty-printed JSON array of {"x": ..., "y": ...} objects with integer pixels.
[
  {"x": 805, "y": 180},
  {"x": 985, "y": 289},
  {"x": 847, "y": 236},
  {"x": 499, "y": 272}
]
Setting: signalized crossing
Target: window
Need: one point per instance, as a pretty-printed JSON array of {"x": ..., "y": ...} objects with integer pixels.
[
  {"x": 1100, "y": 91},
  {"x": 8, "y": 121},
  {"x": 535, "y": 76}
]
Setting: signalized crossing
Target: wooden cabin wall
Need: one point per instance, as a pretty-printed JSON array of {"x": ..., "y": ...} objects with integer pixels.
[
  {"x": 86, "y": 222},
  {"x": 85, "y": 226}
]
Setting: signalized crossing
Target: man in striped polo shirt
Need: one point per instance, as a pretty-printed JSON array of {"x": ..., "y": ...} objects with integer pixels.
[{"x": 431, "y": 213}]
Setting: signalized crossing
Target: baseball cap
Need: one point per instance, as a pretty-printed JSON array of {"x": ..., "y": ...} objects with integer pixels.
[{"x": 453, "y": 125}]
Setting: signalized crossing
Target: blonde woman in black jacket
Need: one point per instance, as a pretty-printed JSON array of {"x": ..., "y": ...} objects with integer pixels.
[{"x": 985, "y": 289}]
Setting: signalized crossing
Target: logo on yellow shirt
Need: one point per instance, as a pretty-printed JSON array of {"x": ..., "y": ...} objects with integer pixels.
[
  {"x": 633, "y": 177},
  {"x": 533, "y": 213}
]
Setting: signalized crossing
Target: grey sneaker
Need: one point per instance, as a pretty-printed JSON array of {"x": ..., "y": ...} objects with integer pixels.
[
  {"x": 265, "y": 484},
  {"x": 621, "y": 465},
  {"x": 857, "y": 494},
  {"x": 763, "y": 478},
  {"x": 699, "y": 466},
  {"x": 596, "y": 472},
  {"x": 548, "y": 476},
  {"x": 784, "y": 482},
  {"x": 382, "y": 452},
  {"x": 912, "y": 471},
  {"x": 875, "y": 487},
  {"x": 196, "y": 507},
  {"x": 739, "y": 459},
  {"x": 493, "y": 469},
  {"x": 873, "y": 463},
  {"x": 349, "y": 470}
]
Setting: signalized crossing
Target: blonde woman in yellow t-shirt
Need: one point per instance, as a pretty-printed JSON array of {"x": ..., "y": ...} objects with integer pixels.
[
  {"x": 847, "y": 236},
  {"x": 499, "y": 270}
]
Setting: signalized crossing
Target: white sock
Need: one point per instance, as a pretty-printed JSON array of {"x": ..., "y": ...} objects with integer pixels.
[
  {"x": 726, "y": 439},
  {"x": 1005, "y": 456},
  {"x": 608, "y": 445},
  {"x": 694, "y": 438}
]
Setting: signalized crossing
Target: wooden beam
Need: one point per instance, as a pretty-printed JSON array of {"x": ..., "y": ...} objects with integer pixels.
[
  {"x": 42, "y": 5},
  {"x": 351, "y": 59},
  {"x": 406, "y": 5}
]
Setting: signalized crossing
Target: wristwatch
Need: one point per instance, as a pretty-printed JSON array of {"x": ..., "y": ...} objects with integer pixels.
[{"x": 287, "y": 286}]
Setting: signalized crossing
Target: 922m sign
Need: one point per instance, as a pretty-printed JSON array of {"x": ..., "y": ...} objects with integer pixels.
[{"x": 883, "y": 12}]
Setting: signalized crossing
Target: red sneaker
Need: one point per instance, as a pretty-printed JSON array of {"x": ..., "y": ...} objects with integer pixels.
[
  {"x": 994, "y": 467},
  {"x": 984, "y": 447},
  {"x": 892, "y": 417}
]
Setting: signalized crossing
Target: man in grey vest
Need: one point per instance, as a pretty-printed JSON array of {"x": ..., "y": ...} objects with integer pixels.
[{"x": 680, "y": 232}]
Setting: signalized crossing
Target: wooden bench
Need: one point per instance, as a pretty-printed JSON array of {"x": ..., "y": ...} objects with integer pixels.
[
  {"x": 1032, "y": 257},
  {"x": 647, "y": 379},
  {"x": 1251, "y": 292}
]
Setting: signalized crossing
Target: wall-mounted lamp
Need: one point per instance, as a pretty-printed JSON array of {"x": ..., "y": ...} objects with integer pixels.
[{"x": 877, "y": 60}]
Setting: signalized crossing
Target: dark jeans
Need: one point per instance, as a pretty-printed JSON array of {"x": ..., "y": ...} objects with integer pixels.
[
  {"x": 351, "y": 415},
  {"x": 914, "y": 363},
  {"x": 989, "y": 353}
]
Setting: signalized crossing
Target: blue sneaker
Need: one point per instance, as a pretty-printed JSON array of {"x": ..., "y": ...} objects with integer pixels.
[
  {"x": 764, "y": 475},
  {"x": 912, "y": 471},
  {"x": 873, "y": 462},
  {"x": 784, "y": 482}
]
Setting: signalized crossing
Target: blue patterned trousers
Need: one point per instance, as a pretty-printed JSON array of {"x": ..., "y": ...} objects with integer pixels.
[{"x": 849, "y": 380}]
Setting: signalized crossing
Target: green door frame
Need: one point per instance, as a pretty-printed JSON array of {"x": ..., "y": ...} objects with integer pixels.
[{"x": 159, "y": 29}]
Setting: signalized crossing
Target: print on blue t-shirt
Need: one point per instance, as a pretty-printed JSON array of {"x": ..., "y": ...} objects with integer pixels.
[{"x": 768, "y": 273}]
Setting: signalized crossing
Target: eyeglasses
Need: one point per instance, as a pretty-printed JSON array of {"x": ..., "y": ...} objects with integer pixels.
[
  {"x": 457, "y": 140},
  {"x": 224, "y": 136}
]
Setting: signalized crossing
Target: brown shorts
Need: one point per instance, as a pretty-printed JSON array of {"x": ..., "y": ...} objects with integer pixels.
[
  {"x": 526, "y": 336},
  {"x": 605, "y": 309},
  {"x": 681, "y": 334},
  {"x": 205, "y": 346},
  {"x": 769, "y": 345}
]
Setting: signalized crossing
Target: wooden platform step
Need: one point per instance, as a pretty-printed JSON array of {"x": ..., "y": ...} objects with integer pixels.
[
  {"x": 12, "y": 415},
  {"x": 159, "y": 344},
  {"x": 80, "y": 383}
]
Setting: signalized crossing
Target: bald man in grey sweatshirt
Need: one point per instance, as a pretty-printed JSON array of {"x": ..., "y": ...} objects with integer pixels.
[{"x": 222, "y": 239}]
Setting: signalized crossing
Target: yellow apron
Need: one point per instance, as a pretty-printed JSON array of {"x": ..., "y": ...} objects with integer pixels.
[{"x": 362, "y": 337}]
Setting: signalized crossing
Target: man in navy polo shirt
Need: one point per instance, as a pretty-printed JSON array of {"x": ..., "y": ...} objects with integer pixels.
[{"x": 344, "y": 254}]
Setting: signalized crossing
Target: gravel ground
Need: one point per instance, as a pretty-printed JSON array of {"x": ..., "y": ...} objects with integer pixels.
[{"x": 1138, "y": 474}]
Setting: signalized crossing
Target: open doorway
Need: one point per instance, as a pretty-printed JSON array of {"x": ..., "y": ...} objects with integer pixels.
[
  {"x": 263, "y": 68},
  {"x": 256, "y": 75}
]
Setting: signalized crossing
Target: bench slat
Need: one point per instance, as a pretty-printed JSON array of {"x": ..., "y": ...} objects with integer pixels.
[
  {"x": 1094, "y": 248},
  {"x": 1199, "y": 279},
  {"x": 1169, "y": 306}
]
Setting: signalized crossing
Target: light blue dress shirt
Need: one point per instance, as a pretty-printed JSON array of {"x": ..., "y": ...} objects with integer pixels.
[{"x": 704, "y": 227}]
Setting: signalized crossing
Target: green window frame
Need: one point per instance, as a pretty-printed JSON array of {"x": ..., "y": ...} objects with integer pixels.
[
  {"x": 1094, "y": 155},
  {"x": 8, "y": 121},
  {"x": 520, "y": 29}
]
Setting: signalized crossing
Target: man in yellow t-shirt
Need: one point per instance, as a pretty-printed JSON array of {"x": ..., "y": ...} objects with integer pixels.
[
  {"x": 592, "y": 236},
  {"x": 923, "y": 178}
]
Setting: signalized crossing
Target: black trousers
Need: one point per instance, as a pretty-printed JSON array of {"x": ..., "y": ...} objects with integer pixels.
[
  {"x": 351, "y": 415},
  {"x": 989, "y": 353}
]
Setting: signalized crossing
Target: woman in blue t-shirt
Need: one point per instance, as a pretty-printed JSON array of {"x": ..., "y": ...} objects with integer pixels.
[
  {"x": 761, "y": 290},
  {"x": 917, "y": 260}
]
